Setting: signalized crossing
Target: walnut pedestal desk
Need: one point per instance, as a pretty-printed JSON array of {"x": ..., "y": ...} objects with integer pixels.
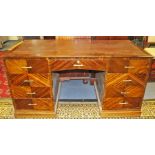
[{"x": 121, "y": 68}]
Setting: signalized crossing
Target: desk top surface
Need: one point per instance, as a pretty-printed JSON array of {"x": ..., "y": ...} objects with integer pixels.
[{"x": 76, "y": 48}]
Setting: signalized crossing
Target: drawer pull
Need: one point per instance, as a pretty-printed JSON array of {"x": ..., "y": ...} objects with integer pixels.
[
  {"x": 28, "y": 81},
  {"x": 33, "y": 93},
  {"x": 78, "y": 65},
  {"x": 30, "y": 104},
  {"x": 124, "y": 93},
  {"x": 123, "y": 102},
  {"x": 28, "y": 67},
  {"x": 129, "y": 67},
  {"x": 127, "y": 80}
]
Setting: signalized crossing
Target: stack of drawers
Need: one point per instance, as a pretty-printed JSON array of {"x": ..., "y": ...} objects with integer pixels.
[
  {"x": 30, "y": 84},
  {"x": 125, "y": 83}
]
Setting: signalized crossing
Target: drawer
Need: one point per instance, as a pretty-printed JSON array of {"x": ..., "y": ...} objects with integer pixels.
[
  {"x": 38, "y": 65},
  {"x": 33, "y": 104},
  {"x": 30, "y": 92},
  {"x": 21, "y": 91},
  {"x": 41, "y": 92},
  {"x": 33, "y": 80},
  {"x": 120, "y": 85},
  {"x": 81, "y": 64},
  {"x": 121, "y": 103},
  {"x": 139, "y": 66},
  {"x": 20, "y": 66},
  {"x": 18, "y": 79},
  {"x": 16, "y": 66},
  {"x": 130, "y": 65},
  {"x": 118, "y": 65},
  {"x": 40, "y": 80},
  {"x": 115, "y": 84},
  {"x": 134, "y": 88}
]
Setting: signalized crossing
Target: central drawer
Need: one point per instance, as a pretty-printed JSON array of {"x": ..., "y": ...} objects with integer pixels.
[{"x": 81, "y": 64}]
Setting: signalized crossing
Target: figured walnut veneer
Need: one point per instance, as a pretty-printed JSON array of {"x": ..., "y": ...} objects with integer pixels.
[{"x": 121, "y": 87}]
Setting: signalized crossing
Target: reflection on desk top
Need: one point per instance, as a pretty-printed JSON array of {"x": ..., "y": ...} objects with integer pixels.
[
  {"x": 77, "y": 48},
  {"x": 150, "y": 51}
]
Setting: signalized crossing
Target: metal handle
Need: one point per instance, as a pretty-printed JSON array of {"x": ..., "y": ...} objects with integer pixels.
[
  {"x": 124, "y": 93},
  {"x": 78, "y": 65},
  {"x": 129, "y": 67},
  {"x": 27, "y": 67},
  {"x": 123, "y": 102},
  {"x": 32, "y": 104},
  {"x": 29, "y": 81},
  {"x": 127, "y": 80},
  {"x": 33, "y": 93}
]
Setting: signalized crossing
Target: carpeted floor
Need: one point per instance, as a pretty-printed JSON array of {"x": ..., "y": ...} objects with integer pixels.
[{"x": 87, "y": 110}]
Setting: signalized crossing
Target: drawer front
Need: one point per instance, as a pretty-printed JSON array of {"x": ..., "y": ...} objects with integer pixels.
[
  {"x": 33, "y": 80},
  {"x": 118, "y": 65},
  {"x": 41, "y": 92},
  {"x": 71, "y": 64},
  {"x": 38, "y": 65},
  {"x": 119, "y": 85},
  {"x": 39, "y": 80},
  {"x": 33, "y": 104},
  {"x": 30, "y": 92},
  {"x": 115, "y": 84},
  {"x": 20, "y": 66},
  {"x": 121, "y": 103},
  {"x": 16, "y": 66},
  {"x": 140, "y": 68},
  {"x": 18, "y": 79},
  {"x": 131, "y": 65},
  {"x": 21, "y": 92}
]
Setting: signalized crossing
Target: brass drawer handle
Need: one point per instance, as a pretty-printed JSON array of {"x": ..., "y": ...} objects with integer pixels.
[
  {"x": 124, "y": 93},
  {"x": 28, "y": 81},
  {"x": 78, "y": 64},
  {"x": 30, "y": 104},
  {"x": 27, "y": 67},
  {"x": 127, "y": 80},
  {"x": 33, "y": 93},
  {"x": 123, "y": 102},
  {"x": 129, "y": 67}
]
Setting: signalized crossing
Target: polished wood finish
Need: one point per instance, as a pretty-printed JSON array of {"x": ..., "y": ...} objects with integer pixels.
[
  {"x": 84, "y": 64},
  {"x": 76, "y": 48},
  {"x": 123, "y": 71}
]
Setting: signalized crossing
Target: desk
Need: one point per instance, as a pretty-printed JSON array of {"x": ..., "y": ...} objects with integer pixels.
[{"x": 121, "y": 90}]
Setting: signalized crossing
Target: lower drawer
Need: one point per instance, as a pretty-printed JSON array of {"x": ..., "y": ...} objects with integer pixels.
[
  {"x": 30, "y": 92},
  {"x": 33, "y": 104},
  {"x": 122, "y": 103}
]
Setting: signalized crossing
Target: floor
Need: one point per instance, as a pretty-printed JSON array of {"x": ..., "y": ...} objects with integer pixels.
[{"x": 77, "y": 110}]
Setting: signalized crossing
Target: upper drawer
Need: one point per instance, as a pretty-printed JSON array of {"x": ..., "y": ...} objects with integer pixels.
[
  {"x": 20, "y": 66},
  {"x": 131, "y": 65},
  {"x": 82, "y": 64}
]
